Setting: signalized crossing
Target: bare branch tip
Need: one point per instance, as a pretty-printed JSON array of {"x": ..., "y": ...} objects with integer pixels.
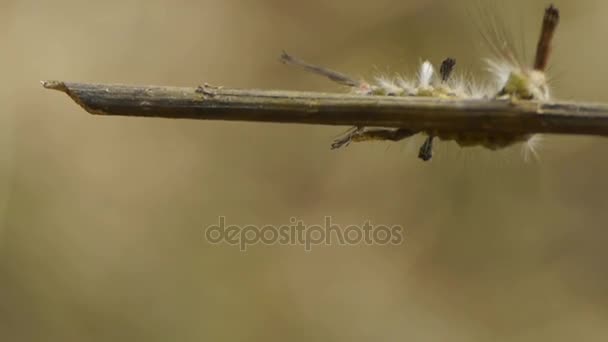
[{"x": 55, "y": 85}]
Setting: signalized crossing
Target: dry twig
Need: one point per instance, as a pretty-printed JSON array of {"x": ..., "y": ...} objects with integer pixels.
[{"x": 417, "y": 114}]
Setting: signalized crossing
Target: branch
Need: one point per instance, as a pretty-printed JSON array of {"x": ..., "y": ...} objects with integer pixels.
[{"x": 414, "y": 113}]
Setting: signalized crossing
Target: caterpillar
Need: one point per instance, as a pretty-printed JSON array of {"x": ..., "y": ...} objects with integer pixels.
[{"x": 512, "y": 79}]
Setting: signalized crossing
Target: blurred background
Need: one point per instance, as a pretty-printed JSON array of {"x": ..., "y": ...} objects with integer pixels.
[{"x": 102, "y": 218}]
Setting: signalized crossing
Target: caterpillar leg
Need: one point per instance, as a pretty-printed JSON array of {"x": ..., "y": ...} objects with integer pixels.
[{"x": 359, "y": 134}]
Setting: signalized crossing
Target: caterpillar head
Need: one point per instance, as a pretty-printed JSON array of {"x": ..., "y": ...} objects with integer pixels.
[
  {"x": 530, "y": 83},
  {"x": 526, "y": 85}
]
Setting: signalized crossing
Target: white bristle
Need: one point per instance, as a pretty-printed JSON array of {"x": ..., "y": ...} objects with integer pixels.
[
  {"x": 530, "y": 147},
  {"x": 389, "y": 86},
  {"x": 501, "y": 71},
  {"x": 425, "y": 75},
  {"x": 407, "y": 86}
]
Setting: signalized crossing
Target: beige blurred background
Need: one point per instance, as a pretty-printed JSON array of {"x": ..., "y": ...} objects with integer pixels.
[{"x": 102, "y": 219}]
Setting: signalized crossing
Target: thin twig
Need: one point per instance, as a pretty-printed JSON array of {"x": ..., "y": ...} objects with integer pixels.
[{"x": 417, "y": 114}]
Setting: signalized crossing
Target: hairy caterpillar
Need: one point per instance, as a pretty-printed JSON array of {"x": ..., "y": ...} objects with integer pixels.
[{"x": 513, "y": 79}]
